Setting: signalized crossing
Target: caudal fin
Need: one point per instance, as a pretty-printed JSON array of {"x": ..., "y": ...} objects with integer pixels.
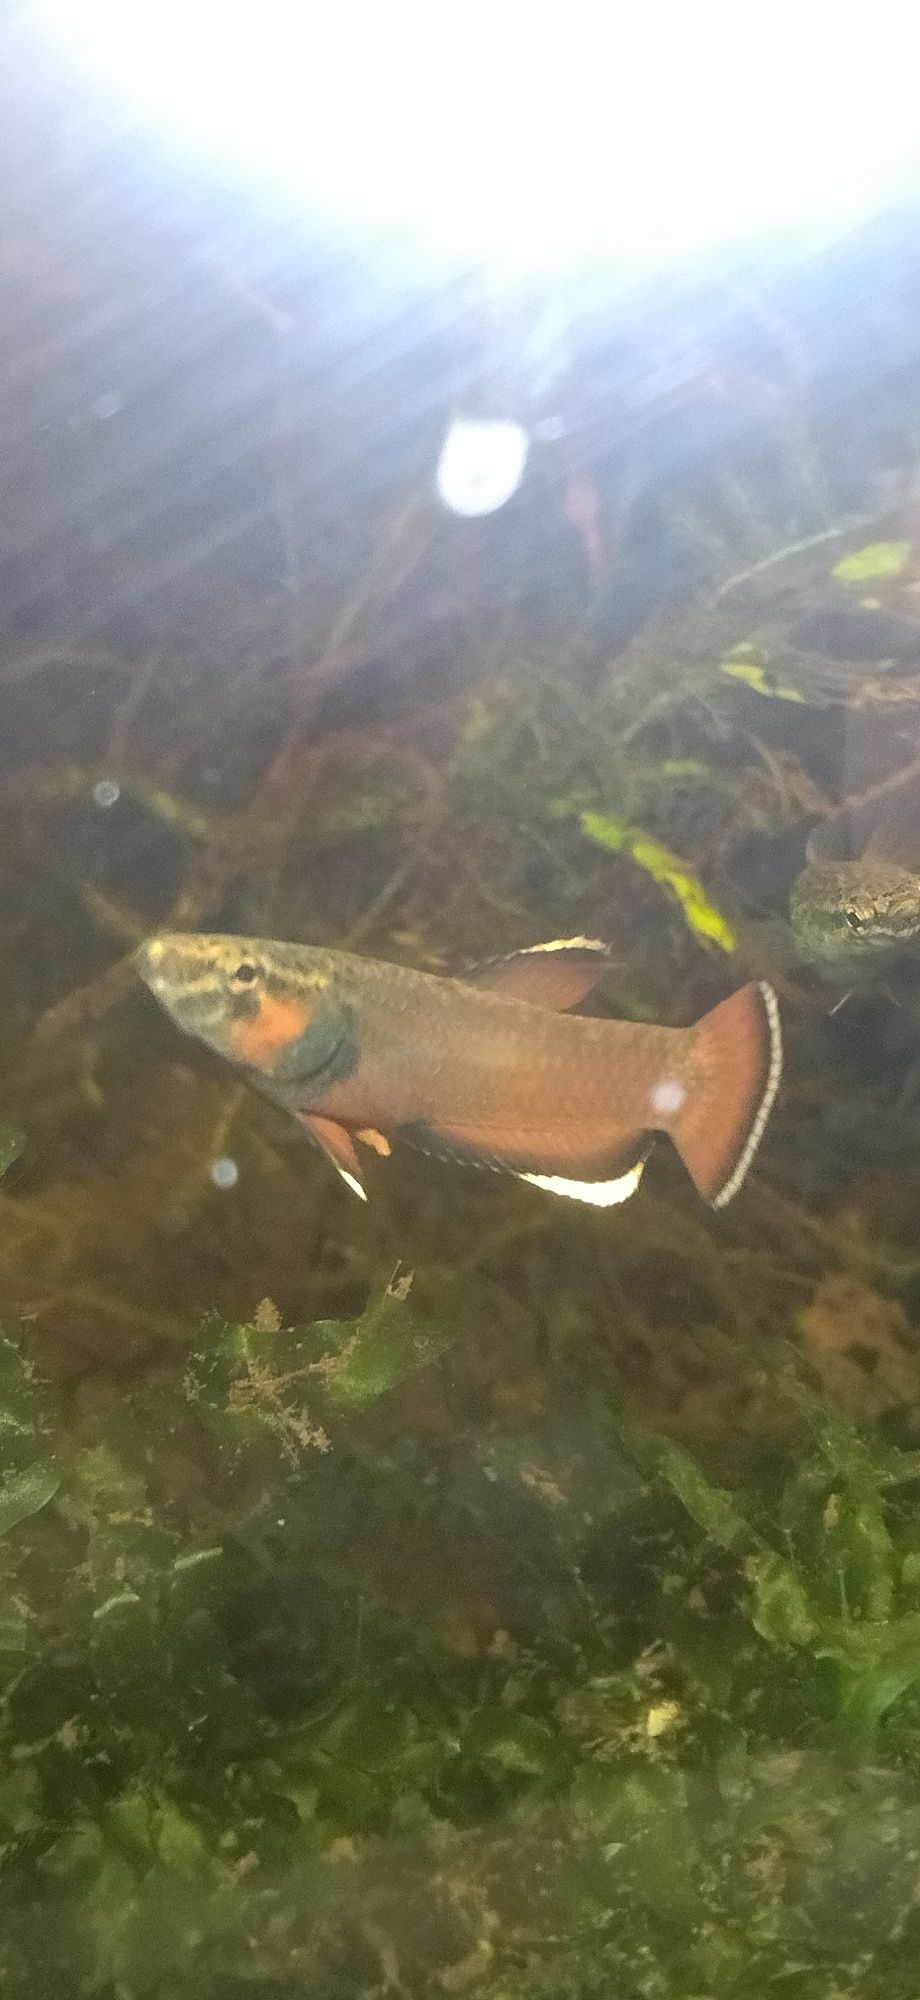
[{"x": 732, "y": 1077}]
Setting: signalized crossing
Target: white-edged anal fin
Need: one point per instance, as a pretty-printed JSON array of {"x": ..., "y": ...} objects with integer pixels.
[{"x": 600, "y": 1194}]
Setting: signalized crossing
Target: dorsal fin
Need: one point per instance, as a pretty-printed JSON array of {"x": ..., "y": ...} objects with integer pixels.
[{"x": 556, "y": 975}]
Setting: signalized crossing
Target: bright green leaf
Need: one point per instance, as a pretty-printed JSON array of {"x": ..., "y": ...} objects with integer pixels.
[
  {"x": 756, "y": 677},
  {"x": 664, "y": 868},
  {"x": 877, "y": 559}
]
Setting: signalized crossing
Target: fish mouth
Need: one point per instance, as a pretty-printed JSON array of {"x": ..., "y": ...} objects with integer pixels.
[
  {"x": 145, "y": 959},
  {"x": 163, "y": 961},
  {"x": 181, "y": 974}
]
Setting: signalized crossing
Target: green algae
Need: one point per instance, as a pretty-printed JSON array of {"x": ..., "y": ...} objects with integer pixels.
[{"x": 700, "y": 914}]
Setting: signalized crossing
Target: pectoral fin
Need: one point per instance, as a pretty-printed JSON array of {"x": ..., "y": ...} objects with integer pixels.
[
  {"x": 556, "y": 975},
  {"x": 336, "y": 1143}
]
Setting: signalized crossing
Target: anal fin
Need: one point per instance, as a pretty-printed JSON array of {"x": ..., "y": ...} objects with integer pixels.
[
  {"x": 602, "y": 1176},
  {"x": 556, "y": 975},
  {"x": 337, "y": 1144},
  {"x": 599, "y": 1194}
]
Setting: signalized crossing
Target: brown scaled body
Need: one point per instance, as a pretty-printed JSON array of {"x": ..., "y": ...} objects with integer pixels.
[{"x": 489, "y": 1069}]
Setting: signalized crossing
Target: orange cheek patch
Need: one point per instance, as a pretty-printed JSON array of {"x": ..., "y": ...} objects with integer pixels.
[{"x": 261, "y": 1039}]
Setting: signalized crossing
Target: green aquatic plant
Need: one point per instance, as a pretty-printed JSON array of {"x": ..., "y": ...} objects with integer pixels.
[
  {"x": 663, "y": 1785},
  {"x": 743, "y": 665},
  {"x": 367, "y": 1646},
  {"x": 873, "y": 562},
  {"x": 664, "y": 867}
]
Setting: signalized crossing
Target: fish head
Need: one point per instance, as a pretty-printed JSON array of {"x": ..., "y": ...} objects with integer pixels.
[
  {"x": 850, "y": 910},
  {"x": 270, "y": 1009}
]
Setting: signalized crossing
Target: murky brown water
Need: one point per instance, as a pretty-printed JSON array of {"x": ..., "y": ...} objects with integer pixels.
[{"x": 548, "y": 1625}]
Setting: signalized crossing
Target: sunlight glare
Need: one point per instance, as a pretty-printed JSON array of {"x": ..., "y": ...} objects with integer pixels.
[{"x": 526, "y": 136}]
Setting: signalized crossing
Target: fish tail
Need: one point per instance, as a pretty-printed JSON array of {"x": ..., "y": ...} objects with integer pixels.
[{"x": 730, "y": 1080}]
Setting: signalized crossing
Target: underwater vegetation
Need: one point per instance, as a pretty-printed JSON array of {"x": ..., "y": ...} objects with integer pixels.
[
  {"x": 654, "y": 1736},
  {"x": 539, "y": 1619}
]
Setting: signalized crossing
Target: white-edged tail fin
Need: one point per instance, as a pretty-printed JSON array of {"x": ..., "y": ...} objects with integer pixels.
[{"x": 720, "y": 1108}]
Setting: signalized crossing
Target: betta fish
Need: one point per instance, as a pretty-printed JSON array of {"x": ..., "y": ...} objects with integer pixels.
[{"x": 490, "y": 1069}]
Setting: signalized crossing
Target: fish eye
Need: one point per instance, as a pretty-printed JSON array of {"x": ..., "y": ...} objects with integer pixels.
[{"x": 245, "y": 973}]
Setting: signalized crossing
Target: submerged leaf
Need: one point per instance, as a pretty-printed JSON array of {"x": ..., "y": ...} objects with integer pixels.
[
  {"x": 23, "y": 1494},
  {"x": 23, "y": 1407},
  {"x": 877, "y": 559},
  {"x": 780, "y": 1611},
  {"x": 755, "y": 676},
  {"x": 14, "y": 1630},
  {"x": 12, "y": 1143},
  {"x": 838, "y": 1534},
  {"x": 711, "y": 1509},
  {"x": 519, "y": 1746},
  {"x": 367, "y": 1356},
  {"x": 664, "y": 868}
]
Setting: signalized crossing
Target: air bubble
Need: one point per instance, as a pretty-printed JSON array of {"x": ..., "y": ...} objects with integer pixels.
[{"x": 224, "y": 1172}]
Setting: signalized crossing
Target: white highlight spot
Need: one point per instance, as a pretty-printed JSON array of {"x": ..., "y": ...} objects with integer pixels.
[
  {"x": 666, "y": 1097},
  {"x": 481, "y": 465},
  {"x": 355, "y": 1186},
  {"x": 600, "y": 1194},
  {"x": 224, "y": 1172},
  {"x": 106, "y": 794}
]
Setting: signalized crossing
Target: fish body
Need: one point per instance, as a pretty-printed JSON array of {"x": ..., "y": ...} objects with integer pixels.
[
  {"x": 490, "y": 1069},
  {"x": 858, "y": 897}
]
